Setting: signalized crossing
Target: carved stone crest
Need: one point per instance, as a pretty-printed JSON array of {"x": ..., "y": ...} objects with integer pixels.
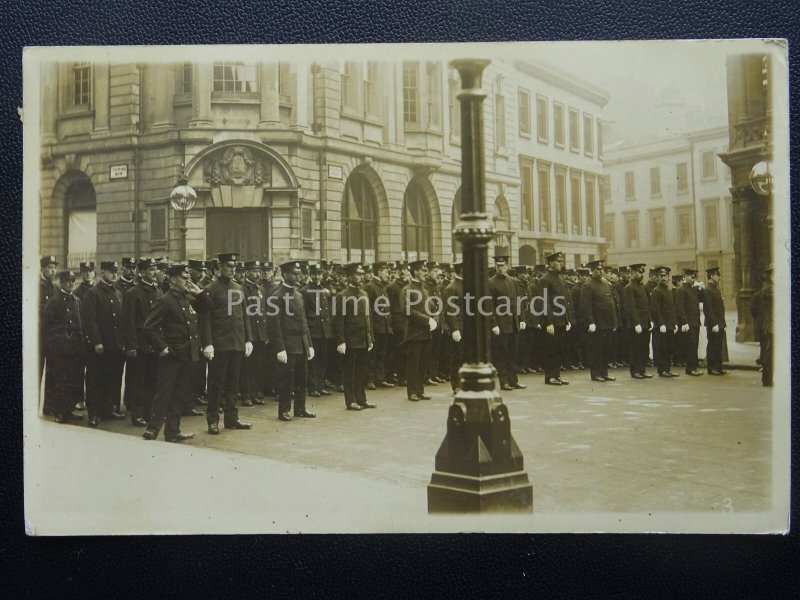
[{"x": 236, "y": 165}]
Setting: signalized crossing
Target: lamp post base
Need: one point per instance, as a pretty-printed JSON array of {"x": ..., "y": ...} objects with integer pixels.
[{"x": 455, "y": 493}]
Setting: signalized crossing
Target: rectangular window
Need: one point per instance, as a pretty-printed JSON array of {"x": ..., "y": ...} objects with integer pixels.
[
  {"x": 158, "y": 224},
  {"x": 524, "y": 100},
  {"x": 683, "y": 177},
  {"x": 499, "y": 122},
  {"x": 599, "y": 139},
  {"x": 410, "y": 93},
  {"x": 655, "y": 181},
  {"x": 574, "y": 131},
  {"x": 371, "y": 99},
  {"x": 526, "y": 193},
  {"x": 82, "y": 85},
  {"x": 348, "y": 86},
  {"x": 541, "y": 119},
  {"x": 709, "y": 159},
  {"x": 544, "y": 199},
  {"x": 657, "y": 229},
  {"x": 285, "y": 83},
  {"x": 631, "y": 231},
  {"x": 575, "y": 200},
  {"x": 630, "y": 186},
  {"x": 455, "y": 107},
  {"x": 558, "y": 124},
  {"x": 608, "y": 230},
  {"x": 685, "y": 227},
  {"x": 605, "y": 189},
  {"x": 588, "y": 135},
  {"x": 590, "y": 212},
  {"x": 235, "y": 77},
  {"x": 307, "y": 224},
  {"x": 711, "y": 224},
  {"x": 186, "y": 79},
  {"x": 561, "y": 202},
  {"x": 434, "y": 95}
]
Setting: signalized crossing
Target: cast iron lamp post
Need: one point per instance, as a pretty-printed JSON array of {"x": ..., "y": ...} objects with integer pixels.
[
  {"x": 479, "y": 467},
  {"x": 183, "y": 198}
]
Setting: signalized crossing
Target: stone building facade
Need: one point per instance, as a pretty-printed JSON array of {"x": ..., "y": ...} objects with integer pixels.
[{"x": 336, "y": 160}]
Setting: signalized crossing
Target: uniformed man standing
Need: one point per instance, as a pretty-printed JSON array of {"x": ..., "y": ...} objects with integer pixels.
[
  {"x": 453, "y": 298},
  {"x": 64, "y": 348},
  {"x": 431, "y": 353},
  {"x": 226, "y": 341},
  {"x": 765, "y": 323},
  {"x": 199, "y": 274},
  {"x": 352, "y": 329},
  {"x": 636, "y": 313},
  {"x": 419, "y": 325},
  {"x": 101, "y": 316},
  {"x": 290, "y": 340},
  {"x": 142, "y": 361},
  {"x": 172, "y": 331},
  {"x": 87, "y": 279},
  {"x": 381, "y": 318},
  {"x": 505, "y": 324},
  {"x": 397, "y": 351},
  {"x": 714, "y": 312},
  {"x": 687, "y": 314},
  {"x": 317, "y": 299},
  {"x": 47, "y": 289},
  {"x": 599, "y": 311},
  {"x": 256, "y": 310},
  {"x": 556, "y": 318},
  {"x": 662, "y": 311}
]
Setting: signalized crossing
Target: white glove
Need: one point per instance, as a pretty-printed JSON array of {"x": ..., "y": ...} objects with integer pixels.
[
  {"x": 551, "y": 329},
  {"x": 431, "y": 323},
  {"x": 684, "y": 327},
  {"x": 522, "y": 325},
  {"x": 569, "y": 326},
  {"x": 538, "y": 326},
  {"x": 663, "y": 329},
  {"x": 651, "y": 326},
  {"x": 248, "y": 349},
  {"x": 675, "y": 330},
  {"x": 369, "y": 348},
  {"x": 208, "y": 352},
  {"x": 456, "y": 336},
  {"x": 638, "y": 329},
  {"x": 283, "y": 358},
  {"x": 592, "y": 327},
  {"x": 715, "y": 329},
  {"x": 311, "y": 353},
  {"x": 164, "y": 352},
  {"x": 341, "y": 348},
  {"x": 496, "y": 330},
  {"x": 98, "y": 348}
]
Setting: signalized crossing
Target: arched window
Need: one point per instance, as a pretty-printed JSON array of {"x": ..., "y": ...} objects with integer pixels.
[
  {"x": 80, "y": 212},
  {"x": 527, "y": 255},
  {"x": 417, "y": 231},
  {"x": 359, "y": 220}
]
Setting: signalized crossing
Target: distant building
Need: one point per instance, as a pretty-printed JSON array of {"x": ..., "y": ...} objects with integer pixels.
[
  {"x": 669, "y": 204},
  {"x": 345, "y": 161}
]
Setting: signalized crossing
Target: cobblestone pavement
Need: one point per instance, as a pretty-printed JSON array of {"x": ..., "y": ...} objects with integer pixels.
[{"x": 687, "y": 444}]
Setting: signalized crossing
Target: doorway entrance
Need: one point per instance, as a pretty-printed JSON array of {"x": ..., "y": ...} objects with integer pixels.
[{"x": 241, "y": 230}]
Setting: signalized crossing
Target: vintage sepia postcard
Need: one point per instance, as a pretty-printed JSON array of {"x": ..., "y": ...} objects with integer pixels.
[{"x": 500, "y": 287}]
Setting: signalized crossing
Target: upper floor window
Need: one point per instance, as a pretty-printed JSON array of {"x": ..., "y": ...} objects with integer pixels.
[
  {"x": 574, "y": 131},
  {"x": 185, "y": 86},
  {"x": 411, "y": 93},
  {"x": 526, "y": 192},
  {"x": 455, "y": 106},
  {"x": 371, "y": 85},
  {"x": 349, "y": 86},
  {"x": 541, "y": 119},
  {"x": 630, "y": 185},
  {"x": 588, "y": 135},
  {"x": 683, "y": 177},
  {"x": 285, "y": 83},
  {"x": 524, "y": 112},
  {"x": 499, "y": 121},
  {"x": 235, "y": 77},
  {"x": 434, "y": 85},
  {"x": 599, "y": 139},
  {"x": 709, "y": 159},
  {"x": 82, "y": 85},
  {"x": 558, "y": 124},
  {"x": 685, "y": 227},
  {"x": 655, "y": 181}
]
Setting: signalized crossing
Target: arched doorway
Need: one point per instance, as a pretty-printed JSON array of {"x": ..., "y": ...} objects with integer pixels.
[
  {"x": 417, "y": 229},
  {"x": 527, "y": 255},
  {"x": 80, "y": 218},
  {"x": 359, "y": 220}
]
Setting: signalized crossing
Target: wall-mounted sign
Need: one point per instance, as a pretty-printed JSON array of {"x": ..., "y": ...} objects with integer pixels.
[
  {"x": 334, "y": 172},
  {"x": 118, "y": 172}
]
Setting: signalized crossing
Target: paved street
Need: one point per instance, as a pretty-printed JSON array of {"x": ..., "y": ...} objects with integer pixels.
[{"x": 687, "y": 444}]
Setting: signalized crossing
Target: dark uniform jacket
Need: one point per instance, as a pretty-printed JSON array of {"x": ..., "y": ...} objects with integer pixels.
[
  {"x": 662, "y": 308},
  {"x": 558, "y": 305},
  {"x": 765, "y": 316},
  {"x": 687, "y": 306},
  {"x": 576, "y": 291},
  {"x": 597, "y": 305},
  {"x": 136, "y": 305},
  {"x": 395, "y": 291},
  {"x": 63, "y": 333},
  {"x": 503, "y": 290},
  {"x": 352, "y": 324},
  {"x": 81, "y": 289},
  {"x": 714, "y": 307},
  {"x": 379, "y": 310},
  {"x": 172, "y": 323},
  {"x": 123, "y": 285},
  {"x": 318, "y": 311},
  {"x": 101, "y": 315},
  {"x": 255, "y": 300},
  {"x": 636, "y": 307},
  {"x": 288, "y": 328},
  {"x": 47, "y": 290},
  {"x": 226, "y": 330},
  {"x": 431, "y": 287},
  {"x": 412, "y": 302},
  {"x": 454, "y": 309},
  {"x": 649, "y": 286}
]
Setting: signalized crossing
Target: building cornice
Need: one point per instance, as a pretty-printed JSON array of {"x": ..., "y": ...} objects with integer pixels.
[{"x": 567, "y": 83}]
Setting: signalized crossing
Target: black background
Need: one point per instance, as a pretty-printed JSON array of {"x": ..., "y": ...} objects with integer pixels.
[{"x": 474, "y": 565}]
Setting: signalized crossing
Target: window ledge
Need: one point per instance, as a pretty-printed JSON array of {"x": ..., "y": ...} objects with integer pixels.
[
  {"x": 558, "y": 145},
  {"x": 77, "y": 114},
  {"x": 235, "y": 97},
  {"x": 543, "y": 140},
  {"x": 181, "y": 99}
]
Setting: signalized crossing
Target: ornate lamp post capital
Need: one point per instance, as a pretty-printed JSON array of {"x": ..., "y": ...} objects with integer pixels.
[{"x": 183, "y": 199}]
